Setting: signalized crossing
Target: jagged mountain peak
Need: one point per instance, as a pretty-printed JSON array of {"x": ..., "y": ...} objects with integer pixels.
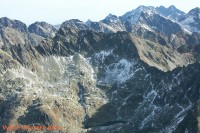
[
  {"x": 191, "y": 20},
  {"x": 110, "y": 16},
  {"x": 142, "y": 8},
  {"x": 111, "y": 19},
  {"x": 195, "y": 12},
  {"x": 88, "y": 22},
  {"x": 42, "y": 29},
  {"x": 16, "y": 24},
  {"x": 75, "y": 23},
  {"x": 171, "y": 12},
  {"x": 72, "y": 21},
  {"x": 42, "y": 23},
  {"x": 134, "y": 15},
  {"x": 172, "y": 7},
  {"x": 151, "y": 19},
  {"x": 138, "y": 10},
  {"x": 5, "y": 19}
]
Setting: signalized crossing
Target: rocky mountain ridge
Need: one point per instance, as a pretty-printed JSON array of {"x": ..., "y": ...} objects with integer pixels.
[
  {"x": 123, "y": 23},
  {"x": 142, "y": 80}
]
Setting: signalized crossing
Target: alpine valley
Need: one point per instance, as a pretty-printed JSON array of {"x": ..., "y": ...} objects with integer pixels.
[{"x": 135, "y": 73}]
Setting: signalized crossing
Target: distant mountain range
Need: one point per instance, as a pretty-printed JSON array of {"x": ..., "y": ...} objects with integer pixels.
[
  {"x": 139, "y": 16},
  {"x": 135, "y": 73}
]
